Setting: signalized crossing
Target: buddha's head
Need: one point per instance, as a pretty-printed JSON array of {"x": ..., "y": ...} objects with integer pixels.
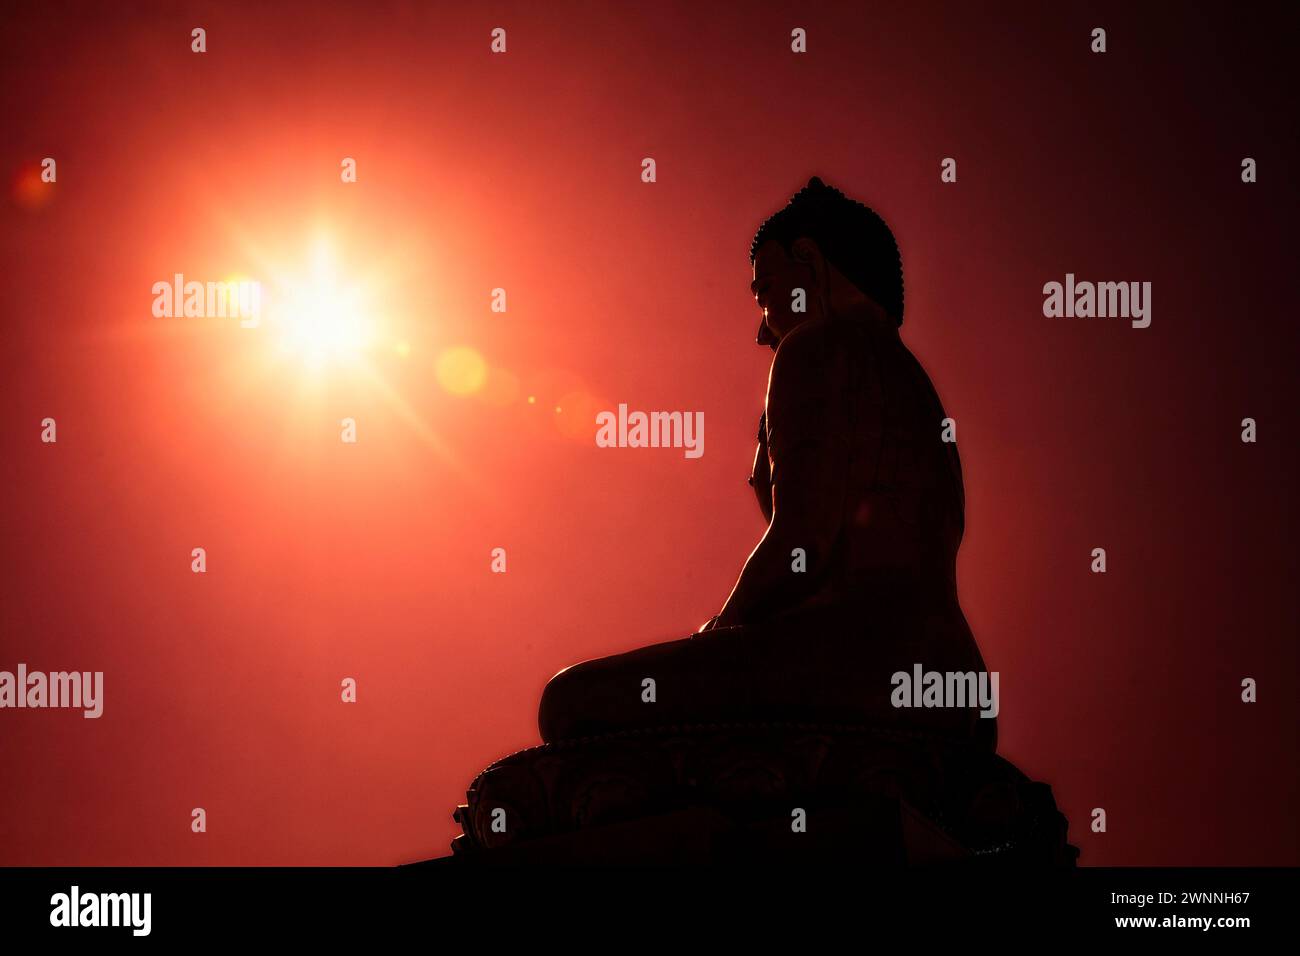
[{"x": 838, "y": 252}]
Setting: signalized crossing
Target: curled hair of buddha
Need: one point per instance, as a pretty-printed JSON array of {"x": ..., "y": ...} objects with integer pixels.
[{"x": 850, "y": 235}]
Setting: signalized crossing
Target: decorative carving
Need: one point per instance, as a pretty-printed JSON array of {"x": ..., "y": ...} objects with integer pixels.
[{"x": 757, "y": 772}]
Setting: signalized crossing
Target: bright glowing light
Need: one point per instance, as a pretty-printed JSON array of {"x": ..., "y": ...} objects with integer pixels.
[
  {"x": 337, "y": 314},
  {"x": 320, "y": 318}
]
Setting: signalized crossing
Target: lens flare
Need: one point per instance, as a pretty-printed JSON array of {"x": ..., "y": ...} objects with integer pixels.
[
  {"x": 461, "y": 370},
  {"x": 29, "y": 191}
]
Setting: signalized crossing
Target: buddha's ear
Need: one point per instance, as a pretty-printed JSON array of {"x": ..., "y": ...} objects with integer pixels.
[{"x": 805, "y": 250}]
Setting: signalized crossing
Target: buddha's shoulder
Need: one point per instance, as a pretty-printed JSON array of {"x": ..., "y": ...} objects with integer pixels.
[{"x": 824, "y": 345}]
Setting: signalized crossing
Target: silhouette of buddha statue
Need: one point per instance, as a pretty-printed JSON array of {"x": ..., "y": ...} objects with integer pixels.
[{"x": 854, "y": 579}]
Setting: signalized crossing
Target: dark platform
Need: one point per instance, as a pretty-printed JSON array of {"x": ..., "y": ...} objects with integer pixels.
[{"x": 732, "y": 793}]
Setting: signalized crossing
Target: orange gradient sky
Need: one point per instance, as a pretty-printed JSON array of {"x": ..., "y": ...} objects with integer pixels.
[{"x": 371, "y": 560}]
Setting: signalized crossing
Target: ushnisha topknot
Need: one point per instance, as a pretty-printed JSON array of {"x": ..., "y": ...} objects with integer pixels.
[{"x": 850, "y": 235}]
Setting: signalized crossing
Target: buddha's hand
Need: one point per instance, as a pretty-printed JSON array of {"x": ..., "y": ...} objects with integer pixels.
[{"x": 709, "y": 625}]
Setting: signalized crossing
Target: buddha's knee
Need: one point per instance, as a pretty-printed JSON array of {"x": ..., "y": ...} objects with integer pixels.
[{"x": 557, "y": 713}]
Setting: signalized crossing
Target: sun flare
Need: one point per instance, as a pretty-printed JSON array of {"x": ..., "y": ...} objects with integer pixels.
[{"x": 319, "y": 316}]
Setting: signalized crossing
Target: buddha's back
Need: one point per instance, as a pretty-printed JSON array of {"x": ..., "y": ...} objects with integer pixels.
[
  {"x": 905, "y": 508},
  {"x": 891, "y": 572}
]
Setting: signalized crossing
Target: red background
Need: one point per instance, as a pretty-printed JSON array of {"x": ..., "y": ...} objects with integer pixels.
[{"x": 328, "y": 560}]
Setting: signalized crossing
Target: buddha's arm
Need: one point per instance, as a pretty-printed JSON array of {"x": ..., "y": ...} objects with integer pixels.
[
  {"x": 760, "y": 477},
  {"x": 805, "y": 412}
]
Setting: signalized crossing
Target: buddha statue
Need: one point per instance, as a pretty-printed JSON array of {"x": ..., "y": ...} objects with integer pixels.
[
  {"x": 854, "y": 578},
  {"x": 783, "y": 709}
]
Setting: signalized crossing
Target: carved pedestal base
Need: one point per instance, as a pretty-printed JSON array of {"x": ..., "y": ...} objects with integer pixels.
[{"x": 729, "y": 793}]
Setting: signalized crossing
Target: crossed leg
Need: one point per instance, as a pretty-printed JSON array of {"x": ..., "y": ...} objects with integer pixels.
[{"x": 818, "y": 666}]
